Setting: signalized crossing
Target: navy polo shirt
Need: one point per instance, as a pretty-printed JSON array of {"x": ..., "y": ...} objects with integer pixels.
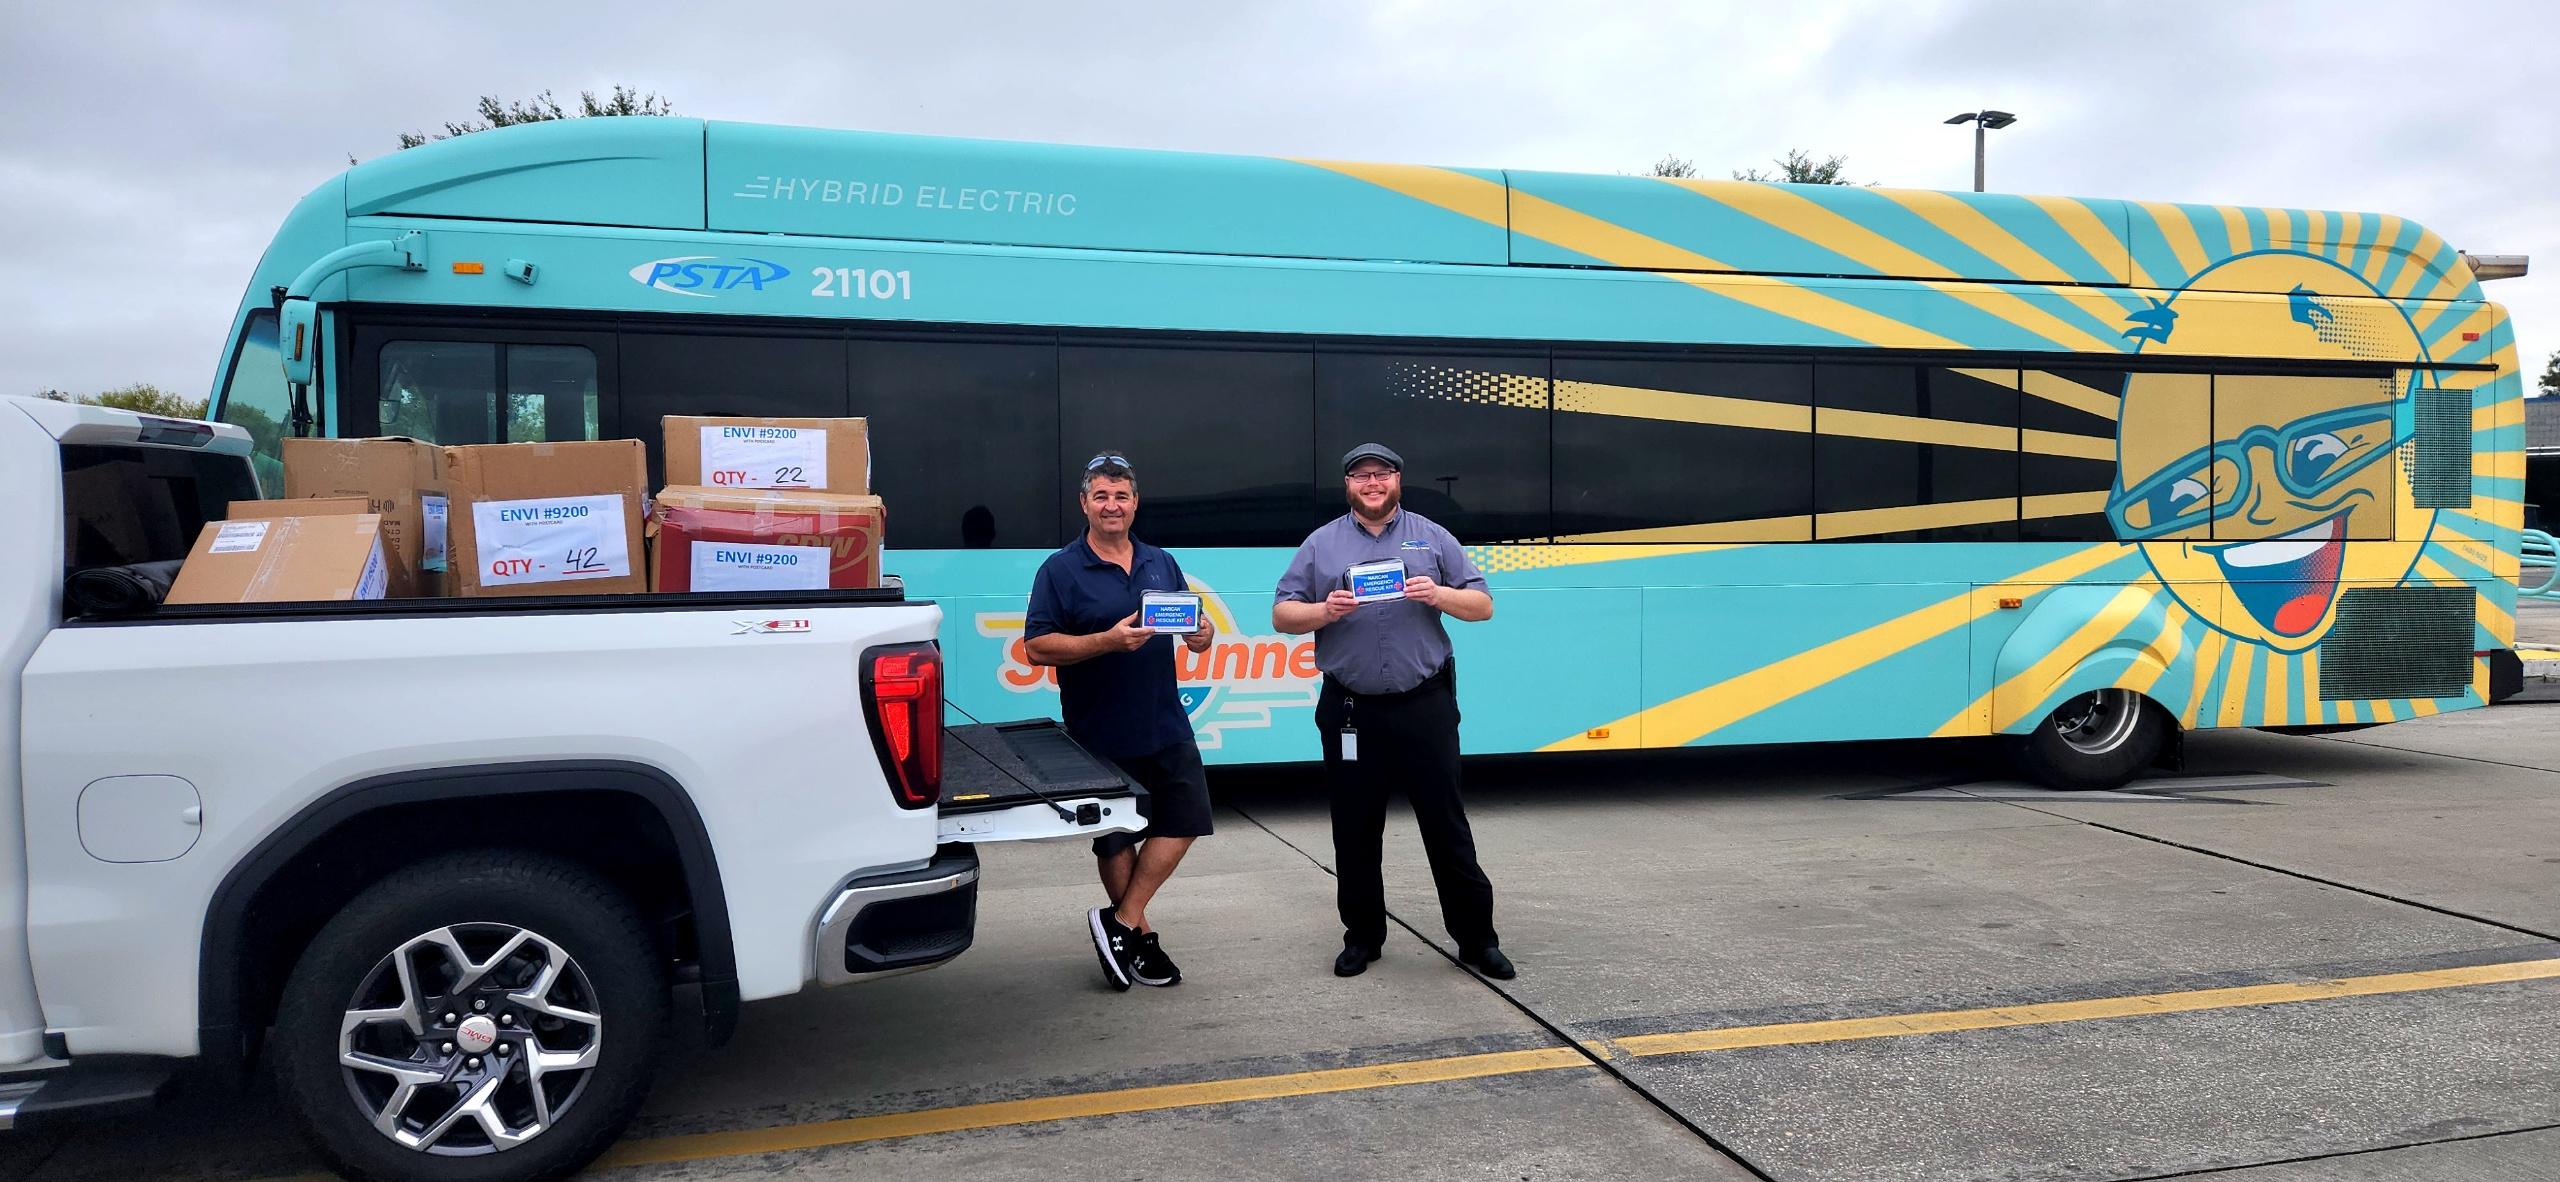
[{"x": 1122, "y": 705}]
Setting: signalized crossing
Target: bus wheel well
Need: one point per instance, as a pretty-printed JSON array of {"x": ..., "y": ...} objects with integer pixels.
[{"x": 278, "y": 898}]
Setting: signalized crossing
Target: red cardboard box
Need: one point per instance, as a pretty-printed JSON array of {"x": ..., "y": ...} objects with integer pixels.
[{"x": 765, "y": 540}]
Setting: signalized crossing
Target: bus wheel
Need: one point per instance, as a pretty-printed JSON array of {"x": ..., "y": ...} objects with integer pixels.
[{"x": 2095, "y": 741}]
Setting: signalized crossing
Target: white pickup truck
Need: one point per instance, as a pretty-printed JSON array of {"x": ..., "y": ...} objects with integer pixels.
[{"x": 441, "y": 863}]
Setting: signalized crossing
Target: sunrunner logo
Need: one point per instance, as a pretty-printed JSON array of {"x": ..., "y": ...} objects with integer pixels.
[{"x": 702, "y": 276}]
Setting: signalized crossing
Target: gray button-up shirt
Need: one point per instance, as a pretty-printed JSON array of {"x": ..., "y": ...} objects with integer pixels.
[{"x": 1387, "y": 647}]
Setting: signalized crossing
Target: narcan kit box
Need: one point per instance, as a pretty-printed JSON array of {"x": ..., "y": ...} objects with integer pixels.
[
  {"x": 713, "y": 539},
  {"x": 1169, "y": 611},
  {"x": 548, "y": 518},
  {"x": 1374, "y": 582},
  {"x": 401, "y": 479},
  {"x": 285, "y": 560},
  {"x": 816, "y": 455}
]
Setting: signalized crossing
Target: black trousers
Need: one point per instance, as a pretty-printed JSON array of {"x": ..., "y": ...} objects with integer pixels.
[{"x": 1405, "y": 741}]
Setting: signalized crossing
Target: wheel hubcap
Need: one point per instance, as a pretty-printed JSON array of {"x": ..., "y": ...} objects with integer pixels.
[
  {"x": 2098, "y": 722},
  {"x": 471, "y": 1039}
]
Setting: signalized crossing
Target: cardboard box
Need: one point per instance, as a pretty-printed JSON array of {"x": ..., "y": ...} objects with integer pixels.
[
  {"x": 547, "y": 518},
  {"x": 401, "y": 479},
  {"x": 285, "y": 560},
  {"x": 818, "y": 455},
  {"x": 306, "y": 507},
  {"x": 711, "y": 539}
]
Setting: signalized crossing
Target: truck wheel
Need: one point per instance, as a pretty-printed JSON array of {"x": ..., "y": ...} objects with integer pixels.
[
  {"x": 480, "y": 1017},
  {"x": 2094, "y": 741}
]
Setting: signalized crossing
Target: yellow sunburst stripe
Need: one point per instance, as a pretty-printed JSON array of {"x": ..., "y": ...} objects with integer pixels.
[
  {"x": 1618, "y": 246},
  {"x": 2062, "y": 391},
  {"x": 1700, "y": 712},
  {"x": 2056, "y": 443},
  {"x": 1820, "y": 225},
  {"x": 2422, "y": 707},
  {"x": 2449, "y": 281},
  {"x": 2178, "y": 232},
  {"x": 2014, "y": 308},
  {"x": 2235, "y": 686},
  {"x": 2382, "y": 711},
  {"x": 1975, "y": 228},
  {"x": 2277, "y": 703},
  {"x": 2044, "y": 505},
  {"x": 1798, "y": 528},
  {"x": 2422, "y": 260},
  {"x": 2342, "y": 246},
  {"x": 1865, "y": 424},
  {"x": 2172, "y": 638},
  {"x": 1541, "y": 556},
  {"x": 2386, "y": 230},
  {"x": 2279, "y": 226},
  {"x": 2451, "y": 338},
  {"x": 2235, "y": 225},
  {"x": 2315, "y": 230},
  {"x": 1637, "y": 402},
  {"x": 1853, "y": 523},
  {"x": 2208, "y": 657},
  {"x": 2312, "y": 712},
  {"x": 2025, "y": 691},
  {"x": 2103, "y": 243}
]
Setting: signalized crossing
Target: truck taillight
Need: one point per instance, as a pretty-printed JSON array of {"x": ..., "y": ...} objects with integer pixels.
[{"x": 902, "y": 686}]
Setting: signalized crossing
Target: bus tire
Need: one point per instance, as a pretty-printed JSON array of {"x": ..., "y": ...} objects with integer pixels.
[
  {"x": 2095, "y": 741},
  {"x": 522, "y": 972}
]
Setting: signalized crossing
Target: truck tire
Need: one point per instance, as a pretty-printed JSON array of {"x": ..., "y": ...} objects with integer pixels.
[
  {"x": 489, "y": 1016},
  {"x": 2097, "y": 740}
]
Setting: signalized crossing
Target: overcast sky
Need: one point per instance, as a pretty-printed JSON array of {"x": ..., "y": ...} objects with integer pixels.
[{"x": 149, "y": 158}]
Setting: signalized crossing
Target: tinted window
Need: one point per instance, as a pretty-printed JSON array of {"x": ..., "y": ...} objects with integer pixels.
[
  {"x": 2318, "y": 454},
  {"x": 124, "y": 505},
  {"x": 2067, "y": 454},
  {"x": 672, "y": 374},
  {"x": 1694, "y": 451},
  {"x": 1472, "y": 430},
  {"x": 1219, "y": 438},
  {"x": 1907, "y": 454},
  {"x": 964, "y": 439},
  {"x": 460, "y": 392}
]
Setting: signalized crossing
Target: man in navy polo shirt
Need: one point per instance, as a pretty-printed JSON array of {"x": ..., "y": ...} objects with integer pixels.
[{"x": 1115, "y": 686}]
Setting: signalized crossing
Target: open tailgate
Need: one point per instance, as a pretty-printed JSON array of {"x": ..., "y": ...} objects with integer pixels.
[{"x": 1027, "y": 781}]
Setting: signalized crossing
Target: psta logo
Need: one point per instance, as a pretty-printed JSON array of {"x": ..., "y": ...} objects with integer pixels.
[{"x": 702, "y": 276}]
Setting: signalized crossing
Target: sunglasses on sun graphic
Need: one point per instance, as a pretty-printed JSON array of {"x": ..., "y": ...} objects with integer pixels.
[{"x": 2313, "y": 455}]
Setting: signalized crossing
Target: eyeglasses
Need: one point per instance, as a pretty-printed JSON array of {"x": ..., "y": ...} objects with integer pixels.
[
  {"x": 1370, "y": 477},
  {"x": 2313, "y": 454},
  {"x": 1098, "y": 463}
]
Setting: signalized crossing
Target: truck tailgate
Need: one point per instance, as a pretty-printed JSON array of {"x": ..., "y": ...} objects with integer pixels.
[{"x": 1027, "y": 781}]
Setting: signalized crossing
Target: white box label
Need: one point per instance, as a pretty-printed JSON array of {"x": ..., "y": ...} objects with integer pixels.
[
  {"x": 238, "y": 536},
  {"x": 431, "y": 510},
  {"x": 764, "y": 457},
  {"x": 747, "y": 566},
  {"x": 550, "y": 540}
]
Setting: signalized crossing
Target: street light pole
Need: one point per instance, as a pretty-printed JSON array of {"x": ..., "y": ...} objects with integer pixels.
[{"x": 1982, "y": 121}]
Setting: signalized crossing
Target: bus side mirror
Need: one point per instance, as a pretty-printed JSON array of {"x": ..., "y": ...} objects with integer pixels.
[{"x": 298, "y": 340}]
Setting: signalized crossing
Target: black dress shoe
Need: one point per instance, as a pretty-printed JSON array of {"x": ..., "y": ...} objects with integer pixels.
[
  {"x": 1490, "y": 961},
  {"x": 1353, "y": 961}
]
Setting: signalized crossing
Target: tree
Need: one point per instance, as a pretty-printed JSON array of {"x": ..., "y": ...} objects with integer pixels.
[
  {"x": 1800, "y": 168},
  {"x": 543, "y": 108},
  {"x": 2551, "y": 377},
  {"x": 141, "y": 397},
  {"x": 1676, "y": 167}
]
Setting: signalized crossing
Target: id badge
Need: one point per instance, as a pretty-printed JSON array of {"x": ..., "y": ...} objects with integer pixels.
[{"x": 1350, "y": 745}]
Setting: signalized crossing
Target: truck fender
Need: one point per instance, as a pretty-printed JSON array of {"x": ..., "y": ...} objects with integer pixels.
[
  {"x": 227, "y": 1028},
  {"x": 2078, "y": 639}
]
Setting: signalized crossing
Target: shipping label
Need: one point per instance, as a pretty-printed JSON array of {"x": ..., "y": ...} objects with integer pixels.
[
  {"x": 748, "y": 566},
  {"x": 431, "y": 509},
  {"x": 237, "y": 537},
  {"x": 764, "y": 457},
  {"x": 550, "y": 540}
]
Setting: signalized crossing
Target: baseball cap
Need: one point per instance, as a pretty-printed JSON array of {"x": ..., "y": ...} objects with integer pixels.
[{"x": 1372, "y": 451}]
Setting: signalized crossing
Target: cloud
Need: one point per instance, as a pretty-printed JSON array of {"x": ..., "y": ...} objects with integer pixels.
[{"x": 156, "y": 153}]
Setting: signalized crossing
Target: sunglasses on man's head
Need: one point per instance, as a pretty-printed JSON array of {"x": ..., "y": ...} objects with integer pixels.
[{"x": 1099, "y": 463}]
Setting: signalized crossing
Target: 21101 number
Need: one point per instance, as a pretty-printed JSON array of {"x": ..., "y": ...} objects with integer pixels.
[{"x": 855, "y": 283}]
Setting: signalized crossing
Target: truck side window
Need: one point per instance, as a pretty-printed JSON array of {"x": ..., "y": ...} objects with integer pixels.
[
  {"x": 142, "y": 504},
  {"x": 253, "y": 398}
]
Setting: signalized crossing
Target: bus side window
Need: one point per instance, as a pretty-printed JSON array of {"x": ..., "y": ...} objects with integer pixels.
[
  {"x": 460, "y": 392},
  {"x": 2316, "y": 450},
  {"x": 1474, "y": 427}
]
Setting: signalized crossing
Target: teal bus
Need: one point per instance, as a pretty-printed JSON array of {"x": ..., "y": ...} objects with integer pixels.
[{"x": 1744, "y": 463}]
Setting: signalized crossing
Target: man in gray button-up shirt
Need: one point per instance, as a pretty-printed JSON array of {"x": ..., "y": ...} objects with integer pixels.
[{"x": 1388, "y": 714}]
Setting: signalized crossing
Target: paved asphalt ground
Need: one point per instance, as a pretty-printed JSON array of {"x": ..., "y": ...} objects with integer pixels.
[{"x": 2307, "y": 959}]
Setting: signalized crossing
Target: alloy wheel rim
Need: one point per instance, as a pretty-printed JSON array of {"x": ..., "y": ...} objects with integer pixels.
[
  {"x": 470, "y": 1039},
  {"x": 2098, "y": 722}
]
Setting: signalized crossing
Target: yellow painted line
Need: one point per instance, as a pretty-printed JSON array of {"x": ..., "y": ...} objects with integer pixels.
[
  {"x": 1047, "y": 1109},
  {"x": 2093, "y": 1009}
]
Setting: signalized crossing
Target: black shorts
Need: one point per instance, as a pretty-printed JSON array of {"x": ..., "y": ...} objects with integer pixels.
[{"x": 1177, "y": 803}]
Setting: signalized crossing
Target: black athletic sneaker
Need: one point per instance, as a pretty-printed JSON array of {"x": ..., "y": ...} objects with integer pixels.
[
  {"x": 1151, "y": 966},
  {"x": 1116, "y": 943}
]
